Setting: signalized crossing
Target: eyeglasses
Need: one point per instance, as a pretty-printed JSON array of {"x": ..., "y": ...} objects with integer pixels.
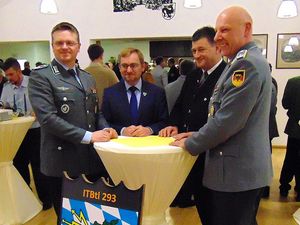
[
  {"x": 132, "y": 66},
  {"x": 67, "y": 43}
]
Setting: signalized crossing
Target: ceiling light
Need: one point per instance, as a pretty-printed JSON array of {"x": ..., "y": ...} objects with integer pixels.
[
  {"x": 287, "y": 9},
  {"x": 192, "y": 4},
  {"x": 48, "y": 7}
]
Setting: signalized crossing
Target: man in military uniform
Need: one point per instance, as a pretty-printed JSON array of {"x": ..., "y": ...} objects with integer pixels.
[
  {"x": 64, "y": 100},
  {"x": 236, "y": 136}
]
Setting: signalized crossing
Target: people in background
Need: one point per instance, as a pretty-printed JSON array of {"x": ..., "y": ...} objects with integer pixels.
[
  {"x": 291, "y": 164},
  {"x": 134, "y": 107},
  {"x": 15, "y": 96},
  {"x": 173, "y": 72},
  {"x": 39, "y": 64},
  {"x": 147, "y": 75},
  {"x": 27, "y": 69},
  {"x": 190, "y": 114},
  {"x": 3, "y": 80},
  {"x": 236, "y": 136},
  {"x": 159, "y": 74},
  {"x": 173, "y": 89},
  {"x": 64, "y": 99},
  {"x": 103, "y": 76}
]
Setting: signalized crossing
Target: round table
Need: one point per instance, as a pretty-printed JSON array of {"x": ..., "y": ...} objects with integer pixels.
[
  {"x": 149, "y": 161},
  {"x": 17, "y": 202}
]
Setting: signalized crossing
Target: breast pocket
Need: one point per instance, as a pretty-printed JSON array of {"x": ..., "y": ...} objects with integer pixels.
[{"x": 65, "y": 102}]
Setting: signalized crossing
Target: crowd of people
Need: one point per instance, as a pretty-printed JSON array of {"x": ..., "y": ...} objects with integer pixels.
[{"x": 221, "y": 111}]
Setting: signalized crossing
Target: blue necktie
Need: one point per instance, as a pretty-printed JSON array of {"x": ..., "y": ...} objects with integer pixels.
[{"x": 133, "y": 105}]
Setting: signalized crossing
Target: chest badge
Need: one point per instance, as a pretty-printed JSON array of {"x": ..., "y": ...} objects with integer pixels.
[
  {"x": 211, "y": 111},
  {"x": 65, "y": 108},
  {"x": 238, "y": 78}
]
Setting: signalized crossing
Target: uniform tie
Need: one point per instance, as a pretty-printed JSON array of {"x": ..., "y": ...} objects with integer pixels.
[
  {"x": 133, "y": 105},
  {"x": 73, "y": 74},
  {"x": 204, "y": 77}
]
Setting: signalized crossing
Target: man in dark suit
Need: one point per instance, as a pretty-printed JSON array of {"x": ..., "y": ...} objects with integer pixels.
[
  {"x": 236, "y": 136},
  {"x": 191, "y": 109},
  {"x": 173, "y": 73},
  {"x": 64, "y": 100},
  {"x": 291, "y": 165},
  {"x": 134, "y": 107}
]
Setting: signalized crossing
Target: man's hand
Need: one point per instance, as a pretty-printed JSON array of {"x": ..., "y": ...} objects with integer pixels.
[
  {"x": 113, "y": 133},
  {"x": 168, "y": 131},
  {"x": 180, "y": 136},
  {"x": 179, "y": 143},
  {"x": 101, "y": 135},
  {"x": 137, "y": 131}
]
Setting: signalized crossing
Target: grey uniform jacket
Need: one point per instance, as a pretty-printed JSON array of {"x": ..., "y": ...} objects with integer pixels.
[
  {"x": 236, "y": 134},
  {"x": 65, "y": 110}
]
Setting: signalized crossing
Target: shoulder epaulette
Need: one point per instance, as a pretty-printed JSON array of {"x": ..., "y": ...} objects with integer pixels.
[
  {"x": 241, "y": 54},
  {"x": 40, "y": 67}
]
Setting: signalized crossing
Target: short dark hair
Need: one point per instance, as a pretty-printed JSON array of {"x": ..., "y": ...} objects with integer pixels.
[
  {"x": 95, "y": 51},
  {"x": 171, "y": 60},
  {"x": 26, "y": 63},
  {"x": 11, "y": 63},
  {"x": 186, "y": 67},
  {"x": 205, "y": 32},
  {"x": 65, "y": 26},
  {"x": 159, "y": 60}
]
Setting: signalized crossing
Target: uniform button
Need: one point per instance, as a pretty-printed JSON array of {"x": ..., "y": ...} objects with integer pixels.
[
  {"x": 189, "y": 111},
  {"x": 184, "y": 125},
  {"x": 86, "y": 98},
  {"x": 87, "y": 111},
  {"x": 299, "y": 122},
  {"x": 59, "y": 148},
  {"x": 205, "y": 99},
  {"x": 65, "y": 99},
  {"x": 198, "y": 81},
  {"x": 221, "y": 153},
  {"x": 90, "y": 125}
]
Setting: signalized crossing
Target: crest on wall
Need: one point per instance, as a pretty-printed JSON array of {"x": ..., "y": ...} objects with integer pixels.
[
  {"x": 167, "y": 7},
  {"x": 168, "y": 10}
]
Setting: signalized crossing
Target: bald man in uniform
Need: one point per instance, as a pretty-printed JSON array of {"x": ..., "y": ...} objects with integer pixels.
[{"x": 236, "y": 136}]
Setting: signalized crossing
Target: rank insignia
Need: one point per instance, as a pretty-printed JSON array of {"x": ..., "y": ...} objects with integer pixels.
[
  {"x": 145, "y": 94},
  {"x": 238, "y": 78},
  {"x": 211, "y": 111},
  {"x": 93, "y": 90},
  {"x": 65, "y": 108}
]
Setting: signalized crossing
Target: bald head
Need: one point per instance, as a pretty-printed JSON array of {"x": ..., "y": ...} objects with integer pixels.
[{"x": 234, "y": 30}]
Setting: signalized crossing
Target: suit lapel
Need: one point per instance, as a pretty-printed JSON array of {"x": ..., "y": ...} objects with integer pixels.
[{"x": 143, "y": 99}]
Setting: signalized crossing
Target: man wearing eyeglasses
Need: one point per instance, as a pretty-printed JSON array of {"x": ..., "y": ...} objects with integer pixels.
[
  {"x": 65, "y": 101},
  {"x": 133, "y": 106}
]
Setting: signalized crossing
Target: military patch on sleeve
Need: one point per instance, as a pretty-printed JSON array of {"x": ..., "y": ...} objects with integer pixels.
[{"x": 238, "y": 78}]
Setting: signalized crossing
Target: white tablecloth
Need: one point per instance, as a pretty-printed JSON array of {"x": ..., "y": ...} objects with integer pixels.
[
  {"x": 162, "y": 168},
  {"x": 17, "y": 202}
]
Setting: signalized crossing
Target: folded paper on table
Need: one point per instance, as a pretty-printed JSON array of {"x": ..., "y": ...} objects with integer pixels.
[{"x": 149, "y": 141}]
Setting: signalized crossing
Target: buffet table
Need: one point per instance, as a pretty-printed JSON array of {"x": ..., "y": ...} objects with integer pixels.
[
  {"x": 17, "y": 202},
  {"x": 150, "y": 161}
]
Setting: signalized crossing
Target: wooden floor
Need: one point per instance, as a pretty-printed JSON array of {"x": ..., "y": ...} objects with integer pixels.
[{"x": 272, "y": 211}]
